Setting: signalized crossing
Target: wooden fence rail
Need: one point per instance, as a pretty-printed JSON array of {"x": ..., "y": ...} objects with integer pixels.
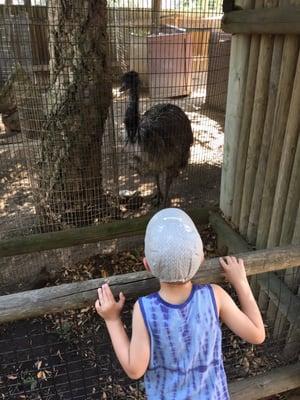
[
  {"x": 91, "y": 234},
  {"x": 268, "y": 20},
  {"x": 257, "y": 387},
  {"x": 76, "y": 295}
]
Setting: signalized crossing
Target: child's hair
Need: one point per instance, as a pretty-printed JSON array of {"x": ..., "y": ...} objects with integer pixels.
[{"x": 173, "y": 247}]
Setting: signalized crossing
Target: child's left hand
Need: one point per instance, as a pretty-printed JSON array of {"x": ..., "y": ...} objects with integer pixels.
[{"x": 106, "y": 306}]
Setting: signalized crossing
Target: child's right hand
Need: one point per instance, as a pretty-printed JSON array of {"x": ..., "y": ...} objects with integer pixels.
[
  {"x": 233, "y": 269},
  {"x": 106, "y": 305}
]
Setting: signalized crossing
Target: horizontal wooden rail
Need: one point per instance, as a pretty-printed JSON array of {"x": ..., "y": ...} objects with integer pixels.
[
  {"x": 278, "y": 20},
  {"x": 227, "y": 237},
  {"x": 257, "y": 387},
  {"x": 89, "y": 234},
  {"x": 76, "y": 295}
]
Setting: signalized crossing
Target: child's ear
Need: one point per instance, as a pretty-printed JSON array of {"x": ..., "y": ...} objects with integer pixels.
[{"x": 146, "y": 265}]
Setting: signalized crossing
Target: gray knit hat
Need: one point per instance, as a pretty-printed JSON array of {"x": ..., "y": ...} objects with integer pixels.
[{"x": 173, "y": 247}]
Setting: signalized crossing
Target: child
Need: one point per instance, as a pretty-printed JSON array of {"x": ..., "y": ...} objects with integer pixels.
[{"x": 176, "y": 335}]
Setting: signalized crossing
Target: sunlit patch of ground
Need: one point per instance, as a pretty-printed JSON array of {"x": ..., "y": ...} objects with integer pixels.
[{"x": 198, "y": 185}]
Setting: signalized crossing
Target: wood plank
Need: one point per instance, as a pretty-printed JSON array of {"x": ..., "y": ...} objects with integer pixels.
[
  {"x": 256, "y": 129},
  {"x": 231, "y": 242},
  {"x": 80, "y": 294},
  {"x": 227, "y": 237},
  {"x": 239, "y": 55},
  {"x": 281, "y": 21},
  {"x": 266, "y": 140},
  {"x": 286, "y": 165},
  {"x": 290, "y": 231},
  {"x": 287, "y": 73},
  {"x": 243, "y": 139},
  {"x": 90, "y": 234},
  {"x": 288, "y": 304},
  {"x": 276, "y": 381},
  {"x": 156, "y": 9},
  {"x": 292, "y": 345}
]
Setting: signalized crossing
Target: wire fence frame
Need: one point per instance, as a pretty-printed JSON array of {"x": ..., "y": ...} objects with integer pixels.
[
  {"x": 68, "y": 355},
  {"x": 125, "y": 38},
  {"x": 27, "y": 40}
]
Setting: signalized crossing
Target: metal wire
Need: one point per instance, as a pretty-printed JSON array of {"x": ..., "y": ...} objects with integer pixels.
[
  {"x": 69, "y": 355},
  {"x": 182, "y": 58},
  {"x": 53, "y": 180}
]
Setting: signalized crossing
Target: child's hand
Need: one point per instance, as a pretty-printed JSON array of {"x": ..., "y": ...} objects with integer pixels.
[
  {"x": 106, "y": 306},
  {"x": 234, "y": 270}
]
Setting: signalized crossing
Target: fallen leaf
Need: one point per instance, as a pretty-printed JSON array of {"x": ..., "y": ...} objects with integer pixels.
[
  {"x": 12, "y": 377},
  {"x": 41, "y": 375}
]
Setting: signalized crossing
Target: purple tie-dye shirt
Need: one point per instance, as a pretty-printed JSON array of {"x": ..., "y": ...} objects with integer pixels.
[{"x": 186, "y": 354}]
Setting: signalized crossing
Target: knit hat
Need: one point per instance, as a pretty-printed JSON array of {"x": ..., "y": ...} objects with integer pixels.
[{"x": 173, "y": 247}]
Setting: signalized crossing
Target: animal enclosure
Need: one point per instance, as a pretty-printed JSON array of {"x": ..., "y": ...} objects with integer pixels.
[
  {"x": 69, "y": 179},
  {"x": 64, "y": 159},
  {"x": 59, "y": 194}
]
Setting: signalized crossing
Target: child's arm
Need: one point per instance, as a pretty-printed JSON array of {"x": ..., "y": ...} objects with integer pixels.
[
  {"x": 133, "y": 355},
  {"x": 247, "y": 322}
]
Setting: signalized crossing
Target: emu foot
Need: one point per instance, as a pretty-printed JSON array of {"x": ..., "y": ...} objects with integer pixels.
[{"x": 157, "y": 199}]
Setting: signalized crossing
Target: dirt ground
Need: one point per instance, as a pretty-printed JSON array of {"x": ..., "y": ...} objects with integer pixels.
[
  {"x": 198, "y": 184},
  {"x": 69, "y": 355}
]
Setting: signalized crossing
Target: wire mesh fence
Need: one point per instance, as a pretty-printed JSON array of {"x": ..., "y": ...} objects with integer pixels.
[
  {"x": 64, "y": 158},
  {"x": 69, "y": 355},
  {"x": 66, "y": 161}
]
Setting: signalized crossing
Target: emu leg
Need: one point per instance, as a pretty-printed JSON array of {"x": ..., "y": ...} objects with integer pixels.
[
  {"x": 169, "y": 179},
  {"x": 158, "y": 196},
  {"x": 159, "y": 193}
]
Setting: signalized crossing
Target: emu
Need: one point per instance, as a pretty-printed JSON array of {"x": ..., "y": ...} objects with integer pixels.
[{"x": 160, "y": 139}]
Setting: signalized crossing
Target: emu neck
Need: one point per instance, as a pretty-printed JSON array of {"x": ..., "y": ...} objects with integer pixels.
[
  {"x": 132, "y": 117},
  {"x": 134, "y": 100}
]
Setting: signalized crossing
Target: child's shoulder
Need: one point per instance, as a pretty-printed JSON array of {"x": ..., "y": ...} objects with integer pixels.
[
  {"x": 219, "y": 293},
  {"x": 149, "y": 298},
  {"x": 207, "y": 288}
]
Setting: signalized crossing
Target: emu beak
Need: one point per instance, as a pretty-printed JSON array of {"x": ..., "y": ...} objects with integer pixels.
[{"x": 122, "y": 88}]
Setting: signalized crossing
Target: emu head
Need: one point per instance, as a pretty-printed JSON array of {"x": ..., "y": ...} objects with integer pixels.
[{"x": 130, "y": 80}]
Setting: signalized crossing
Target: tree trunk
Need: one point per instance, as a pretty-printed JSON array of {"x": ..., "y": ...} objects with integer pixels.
[{"x": 76, "y": 107}]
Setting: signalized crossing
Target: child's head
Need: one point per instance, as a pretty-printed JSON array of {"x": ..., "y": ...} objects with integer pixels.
[{"x": 173, "y": 247}]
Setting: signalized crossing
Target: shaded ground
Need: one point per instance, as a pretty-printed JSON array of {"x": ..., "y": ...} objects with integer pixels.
[
  {"x": 69, "y": 355},
  {"x": 197, "y": 186}
]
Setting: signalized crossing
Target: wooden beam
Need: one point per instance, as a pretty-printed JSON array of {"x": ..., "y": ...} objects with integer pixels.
[
  {"x": 283, "y": 100},
  {"x": 239, "y": 56},
  {"x": 156, "y": 9},
  {"x": 290, "y": 232},
  {"x": 90, "y": 234},
  {"x": 276, "y": 381},
  {"x": 256, "y": 129},
  {"x": 266, "y": 140},
  {"x": 286, "y": 301},
  {"x": 227, "y": 236},
  {"x": 80, "y": 294},
  {"x": 243, "y": 139},
  {"x": 276, "y": 20},
  {"x": 286, "y": 165},
  {"x": 230, "y": 242}
]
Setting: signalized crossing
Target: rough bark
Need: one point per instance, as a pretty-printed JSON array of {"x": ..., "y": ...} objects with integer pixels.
[
  {"x": 8, "y": 103},
  {"x": 76, "y": 107}
]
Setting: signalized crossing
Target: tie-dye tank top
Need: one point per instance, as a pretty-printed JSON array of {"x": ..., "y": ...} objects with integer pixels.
[{"x": 186, "y": 354}]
